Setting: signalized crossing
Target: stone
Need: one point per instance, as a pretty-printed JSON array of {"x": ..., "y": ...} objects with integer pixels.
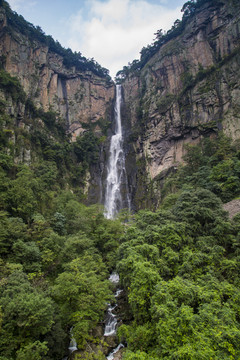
[
  {"x": 78, "y": 97},
  {"x": 166, "y": 112}
]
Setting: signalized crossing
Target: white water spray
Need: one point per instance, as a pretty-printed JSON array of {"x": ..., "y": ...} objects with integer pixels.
[{"x": 116, "y": 175}]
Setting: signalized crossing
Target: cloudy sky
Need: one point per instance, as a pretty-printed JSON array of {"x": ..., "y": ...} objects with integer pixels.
[{"x": 111, "y": 31}]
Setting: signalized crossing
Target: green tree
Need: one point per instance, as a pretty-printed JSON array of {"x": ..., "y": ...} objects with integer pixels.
[
  {"x": 82, "y": 294},
  {"x": 22, "y": 200},
  {"x": 28, "y": 314},
  {"x": 32, "y": 351}
]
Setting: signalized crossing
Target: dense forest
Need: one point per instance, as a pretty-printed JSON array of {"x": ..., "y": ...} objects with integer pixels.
[
  {"x": 56, "y": 253},
  {"x": 178, "y": 265}
]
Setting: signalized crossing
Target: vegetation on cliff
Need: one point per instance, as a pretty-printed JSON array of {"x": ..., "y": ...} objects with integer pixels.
[
  {"x": 70, "y": 59},
  {"x": 189, "y": 10},
  {"x": 55, "y": 253},
  {"x": 180, "y": 265},
  {"x": 213, "y": 164}
]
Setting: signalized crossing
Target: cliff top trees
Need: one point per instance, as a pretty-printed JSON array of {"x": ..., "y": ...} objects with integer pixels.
[
  {"x": 189, "y": 9},
  {"x": 70, "y": 58}
]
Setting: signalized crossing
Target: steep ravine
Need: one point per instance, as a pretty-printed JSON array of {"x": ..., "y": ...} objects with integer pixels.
[{"x": 187, "y": 90}]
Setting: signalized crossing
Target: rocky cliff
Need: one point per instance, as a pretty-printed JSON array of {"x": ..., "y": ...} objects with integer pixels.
[
  {"x": 78, "y": 96},
  {"x": 188, "y": 89},
  {"x": 59, "y": 90}
]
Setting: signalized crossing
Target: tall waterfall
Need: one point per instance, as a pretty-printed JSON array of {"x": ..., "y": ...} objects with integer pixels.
[{"x": 116, "y": 196}]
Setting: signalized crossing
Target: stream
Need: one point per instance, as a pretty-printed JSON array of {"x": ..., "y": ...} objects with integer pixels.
[
  {"x": 72, "y": 345},
  {"x": 111, "y": 318},
  {"x": 110, "y": 322}
]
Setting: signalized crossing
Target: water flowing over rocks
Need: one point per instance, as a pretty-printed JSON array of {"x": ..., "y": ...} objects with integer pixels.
[
  {"x": 117, "y": 312},
  {"x": 117, "y": 196},
  {"x": 116, "y": 354},
  {"x": 112, "y": 319}
]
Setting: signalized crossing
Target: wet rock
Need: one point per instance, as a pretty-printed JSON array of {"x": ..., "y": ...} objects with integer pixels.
[
  {"x": 111, "y": 341},
  {"x": 118, "y": 355}
]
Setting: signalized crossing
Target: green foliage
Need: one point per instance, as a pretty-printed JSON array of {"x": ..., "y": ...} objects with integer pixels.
[
  {"x": 86, "y": 148},
  {"x": 178, "y": 266},
  {"x": 11, "y": 85},
  {"x": 138, "y": 355},
  {"x": 50, "y": 244},
  {"x": 82, "y": 294},
  {"x": 178, "y": 269},
  {"x": 52, "y": 271},
  {"x": 31, "y": 318},
  {"x": 90, "y": 356},
  {"x": 164, "y": 103},
  {"x": 33, "y": 351},
  {"x": 213, "y": 164}
]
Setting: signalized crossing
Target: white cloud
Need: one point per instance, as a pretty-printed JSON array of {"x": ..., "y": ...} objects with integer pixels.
[
  {"x": 16, "y": 5},
  {"x": 115, "y": 31}
]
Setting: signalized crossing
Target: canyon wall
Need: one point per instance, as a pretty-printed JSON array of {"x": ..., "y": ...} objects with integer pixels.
[
  {"x": 189, "y": 88},
  {"x": 80, "y": 100},
  {"x": 77, "y": 96}
]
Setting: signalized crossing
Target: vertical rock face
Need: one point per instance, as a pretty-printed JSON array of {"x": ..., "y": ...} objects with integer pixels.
[
  {"x": 78, "y": 97},
  {"x": 188, "y": 89}
]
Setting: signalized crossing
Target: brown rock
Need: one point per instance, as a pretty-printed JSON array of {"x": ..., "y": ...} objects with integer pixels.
[
  {"x": 232, "y": 207},
  {"x": 78, "y": 97},
  {"x": 189, "y": 89}
]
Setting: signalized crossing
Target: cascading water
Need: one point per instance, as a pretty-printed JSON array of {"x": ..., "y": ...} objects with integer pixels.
[
  {"x": 72, "y": 345},
  {"x": 116, "y": 172},
  {"x": 111, "y": 319}
]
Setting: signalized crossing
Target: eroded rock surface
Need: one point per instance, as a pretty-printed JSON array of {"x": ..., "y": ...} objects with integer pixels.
[
  {"x": 77, "y": 96},
  {"x": 190, "y": 88}
]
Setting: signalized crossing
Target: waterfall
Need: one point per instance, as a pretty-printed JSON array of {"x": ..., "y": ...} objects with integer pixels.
[{"x": 116, "y": 196}]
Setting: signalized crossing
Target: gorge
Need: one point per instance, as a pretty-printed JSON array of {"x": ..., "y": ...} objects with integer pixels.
[
  {"x": 188, "y": 89},
  {"x": 129, "y": 177}
]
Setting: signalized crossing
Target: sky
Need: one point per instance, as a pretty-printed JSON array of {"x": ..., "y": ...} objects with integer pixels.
[{"x": 113, "y": 32}]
